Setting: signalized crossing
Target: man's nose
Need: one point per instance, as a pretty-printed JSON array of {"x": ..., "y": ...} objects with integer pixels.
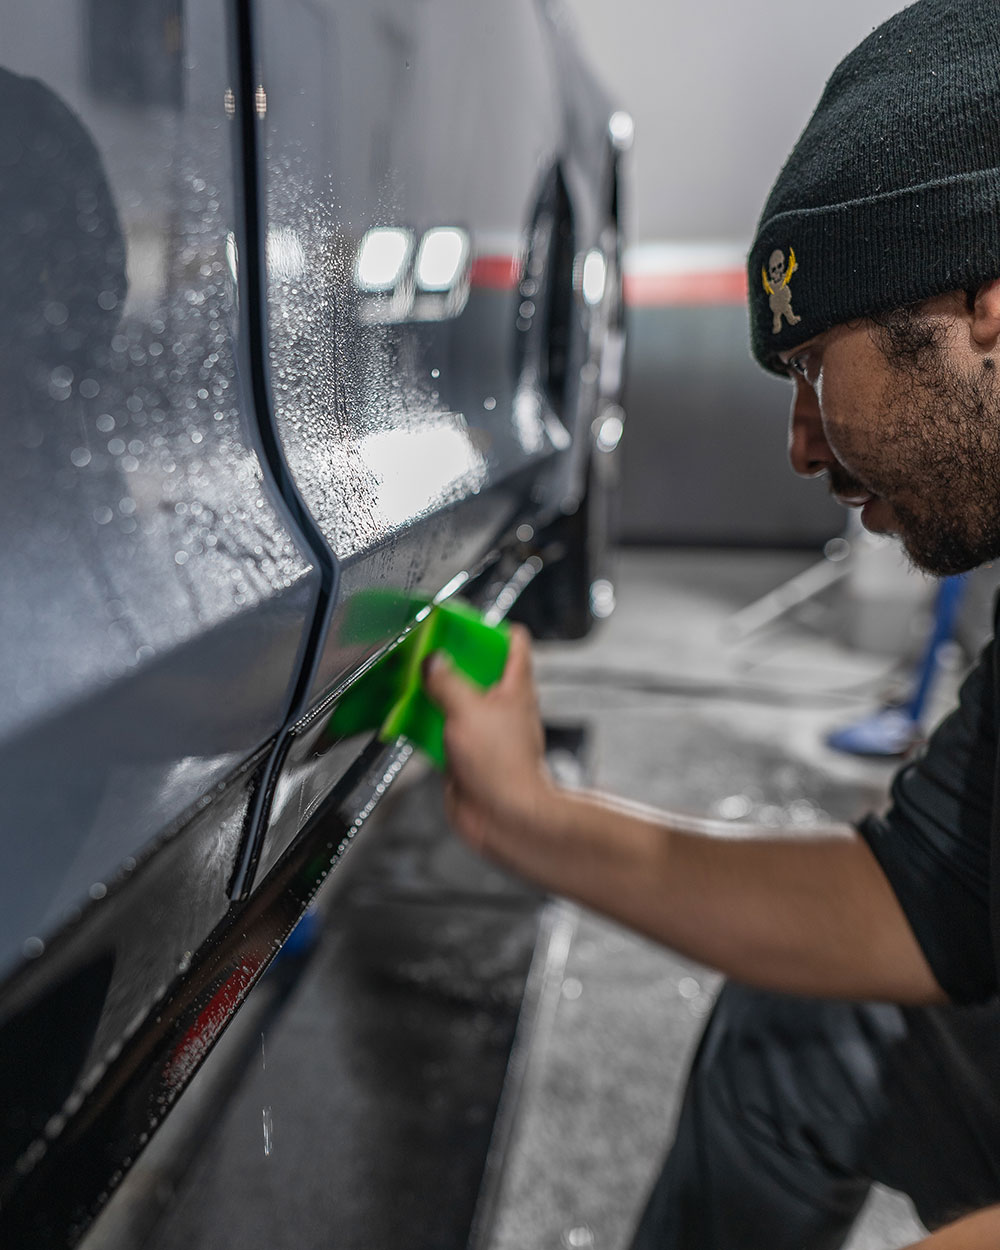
[{"x": 808, "y": 449}]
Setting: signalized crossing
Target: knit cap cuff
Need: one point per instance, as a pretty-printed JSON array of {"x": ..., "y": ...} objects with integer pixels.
[{"x": 868, "y": 256}]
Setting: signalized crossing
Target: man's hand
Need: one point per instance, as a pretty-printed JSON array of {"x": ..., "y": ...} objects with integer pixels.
[{"x": 498, "y": 790}]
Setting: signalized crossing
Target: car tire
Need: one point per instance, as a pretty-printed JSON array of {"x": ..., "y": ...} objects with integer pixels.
[{"x": 575, "y": 587}]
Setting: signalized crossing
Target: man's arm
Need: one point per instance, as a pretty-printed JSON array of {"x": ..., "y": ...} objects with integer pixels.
[
  {"x": 976, "y": 1232},
  {"x": 814, "y": 915}
]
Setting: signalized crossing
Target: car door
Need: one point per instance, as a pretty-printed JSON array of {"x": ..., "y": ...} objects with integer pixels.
[
  {"x": 408, "y": 157},
  {"x": 157, "y": 592}
]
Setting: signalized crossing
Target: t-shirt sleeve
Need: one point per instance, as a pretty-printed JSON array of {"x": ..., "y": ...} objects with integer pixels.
[{"x": 934, "y": 841}]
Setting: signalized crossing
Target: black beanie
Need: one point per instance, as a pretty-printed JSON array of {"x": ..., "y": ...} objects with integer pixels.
[{"x": 892, "y": 193}]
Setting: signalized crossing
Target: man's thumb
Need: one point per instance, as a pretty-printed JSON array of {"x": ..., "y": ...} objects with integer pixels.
[{"x": 445, "y": 685}]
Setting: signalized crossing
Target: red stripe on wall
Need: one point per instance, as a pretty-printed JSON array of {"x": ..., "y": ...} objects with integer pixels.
[
  {"x": 495, "y": 273},
  {"x": 662, "y": 290}
]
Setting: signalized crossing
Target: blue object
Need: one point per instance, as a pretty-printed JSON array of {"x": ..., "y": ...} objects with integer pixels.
[
  {"x": 893, "y": 730},
  {"x": 302, "y": 938},
  {"x": 890, "y": 731}
]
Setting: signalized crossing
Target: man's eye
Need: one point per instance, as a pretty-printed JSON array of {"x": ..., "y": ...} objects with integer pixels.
[{"x": 797, "y": 364}]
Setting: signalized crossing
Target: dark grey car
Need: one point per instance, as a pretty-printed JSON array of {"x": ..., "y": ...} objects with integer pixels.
[{"x": 310, "y": 311}]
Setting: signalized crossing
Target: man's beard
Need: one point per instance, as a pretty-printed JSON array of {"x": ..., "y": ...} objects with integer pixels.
[{"x": 941, "y": 447}]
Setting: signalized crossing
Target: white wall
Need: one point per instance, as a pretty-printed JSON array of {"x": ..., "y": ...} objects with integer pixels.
[{"x": 720, "y": 90}]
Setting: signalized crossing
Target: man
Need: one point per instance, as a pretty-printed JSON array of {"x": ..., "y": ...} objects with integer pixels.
[{"x": 875, "y": 286}]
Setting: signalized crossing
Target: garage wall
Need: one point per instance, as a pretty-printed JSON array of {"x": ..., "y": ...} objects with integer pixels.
[{"x": 719, "y": 93}]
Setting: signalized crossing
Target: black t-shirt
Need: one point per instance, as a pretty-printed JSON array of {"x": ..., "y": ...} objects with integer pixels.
[{"x": 934, "y": 843}]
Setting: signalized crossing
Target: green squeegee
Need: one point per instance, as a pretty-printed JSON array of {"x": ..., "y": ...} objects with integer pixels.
[{"x": 390, "y": 696}]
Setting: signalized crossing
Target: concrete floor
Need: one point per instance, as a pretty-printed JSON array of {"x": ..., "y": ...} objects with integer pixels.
[{"x": 675, "y": 716}]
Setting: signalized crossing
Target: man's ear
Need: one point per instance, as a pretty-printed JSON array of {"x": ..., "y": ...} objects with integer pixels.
[{"x": 986, "y": 315}]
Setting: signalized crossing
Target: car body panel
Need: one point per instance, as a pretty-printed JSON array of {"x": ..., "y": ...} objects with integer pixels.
[
  {"x": 152, "y": 561},
  {"x": 237, "y": 461}
]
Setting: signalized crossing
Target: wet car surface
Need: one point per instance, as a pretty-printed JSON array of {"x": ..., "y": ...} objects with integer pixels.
[{"x": 312, "y": 315}]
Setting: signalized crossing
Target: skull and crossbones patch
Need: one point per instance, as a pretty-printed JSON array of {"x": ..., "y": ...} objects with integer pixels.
[{"x": 776, "y": 278}]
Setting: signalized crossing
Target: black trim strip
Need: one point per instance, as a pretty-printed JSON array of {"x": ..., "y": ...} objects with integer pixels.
[{"x": 252, "y": 285}]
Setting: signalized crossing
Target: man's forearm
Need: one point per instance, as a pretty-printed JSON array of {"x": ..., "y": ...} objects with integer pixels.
[
  {"x": 976, "y": 1232},
  {"x": 809, "y": 915}
]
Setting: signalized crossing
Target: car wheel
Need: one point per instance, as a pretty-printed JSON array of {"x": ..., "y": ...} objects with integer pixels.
[{"x": 575, "y": 588}]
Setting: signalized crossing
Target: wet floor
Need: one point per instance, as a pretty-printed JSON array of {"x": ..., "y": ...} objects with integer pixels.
[
  {"x": 682, "y": 719},
  {"x": 357, "y": 1098}
]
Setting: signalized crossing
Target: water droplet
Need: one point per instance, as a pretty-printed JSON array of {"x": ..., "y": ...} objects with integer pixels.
[
  {"x": 688, "y": 987},
  {"x": 98, "y": 890},
  {"x": 103, "y": 515},
  {"x": 116, "y": 446},
  {"x": 33, "y": 947},
  {"x": 268, "y": 1130},
  {"x": 489, "y": 403},
  {"x": 80, "y": 457},
  {"x": 572, "y": 988},
  {"x": 579, "y": 1238},
  {"x": 435, "y": 373},
  {"x": 180, "y": 557},
  {"x": 734, "y": 807},
  {"x": 105, "y": 422}
]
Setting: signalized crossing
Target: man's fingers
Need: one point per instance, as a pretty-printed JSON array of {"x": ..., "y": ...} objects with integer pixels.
[
  {"x": 447, "y": 687},
  {"x": 452, "y": 691},
  {"x": 518, "y": 667}
]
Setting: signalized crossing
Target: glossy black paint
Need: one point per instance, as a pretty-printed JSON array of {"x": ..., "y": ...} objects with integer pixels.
[
  {"x": 222, "y": 433},
  {"x": 77, "y": 1023},
  {"x": 61, "y": 1180}
]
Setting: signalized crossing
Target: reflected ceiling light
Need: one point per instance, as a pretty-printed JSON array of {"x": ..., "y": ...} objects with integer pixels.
[
  {"x": 382, "y": 258},
  {"x": 528, "y": 423},
  {"x": 608, "y": 429},
  {"x": 441, "y": 258},
  {"x": 594, "y": 276},
  {"x": 286, "y": 257},
  {"x": 621, "y": 128},
  {"x": 232, "y": 255},
  {"x": 602, "y": 598},
  {"x": 421, "y": 468}
]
